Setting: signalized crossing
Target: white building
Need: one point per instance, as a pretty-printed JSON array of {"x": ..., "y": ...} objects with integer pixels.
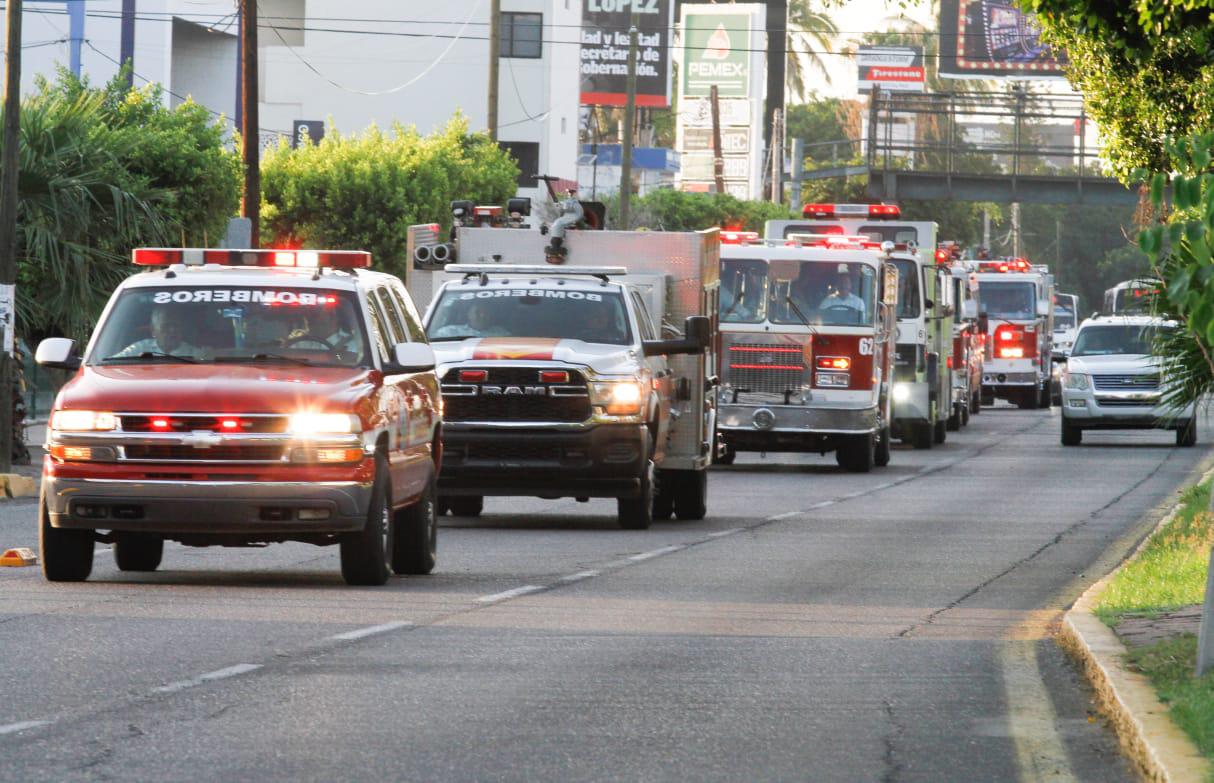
[{"x": 374, "y": 61}]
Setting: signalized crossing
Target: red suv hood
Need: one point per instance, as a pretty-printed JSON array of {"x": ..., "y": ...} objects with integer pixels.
[{"x": 209, "y": 388}]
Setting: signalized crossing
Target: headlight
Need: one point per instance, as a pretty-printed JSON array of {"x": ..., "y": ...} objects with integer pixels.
[
  {"x": 901, "y": 392},
  {"x": 1075, "y": 380},
  {"x": 306, "y": 424},
  {"x": 620, "y": 398},
  {"x": 83, "y": 421}
]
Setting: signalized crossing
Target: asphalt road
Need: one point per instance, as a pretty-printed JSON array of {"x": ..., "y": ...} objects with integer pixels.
[{"x": 817, "y": 626}]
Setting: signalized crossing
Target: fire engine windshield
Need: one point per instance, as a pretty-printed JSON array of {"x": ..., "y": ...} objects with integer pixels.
[
  {"x": 743, "y": 291},
  {"x": 1133, "y": 300},
  {"x": 817, "y": 293},
  {"x": 1001, "y": 299},
  {"x": 1114, "y": 339},
  {"x": 593, "y": 316},
  {"x": 908, "y": 288},
  {"x": 1064, "y": 316},
  {"x": 217, "y": 324}
]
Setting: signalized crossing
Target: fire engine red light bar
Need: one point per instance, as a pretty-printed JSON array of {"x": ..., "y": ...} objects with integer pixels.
[
  {"x": 332, "y": 259},
  {"x": 473, "y": 376},
  {"x": 852, "y": 210},
  {"x": 766, "y": 367},
  {"x": 738, "y": 237},
  {"x": 554, "y": 376},
  {"x": 834, "y": 363},
  {"x": 943, "y": 256},
  {"x": 759, "y": 349}
]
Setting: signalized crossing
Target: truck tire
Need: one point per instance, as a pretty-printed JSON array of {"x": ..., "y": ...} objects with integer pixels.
[
  {"x": 466, "y": 505},
  {"x": 954, "y": 420},
  {"x": 921, "y": 435},
  {"x": 67, "y": 555},
  {"x": 637, "y": 513},
  {"x": 691, "y": 494},
  {"x": 415, "y": 535},
  {"x": 443, "y": 506},
  {"x": 1028, "y": 400},
  {"x": 1071, "y": 435},
  {"x": 1186, "y": 436},
  {"x": 727, "y": 456},
  {"x": 856, "y": 454},
  {"x": 663, "y": 497},
  {"x": 940, "y": 431},
  {"x": 976, "y": 404},
  {"x": 986, "y": 399},
  {"x": 1044, "y": 397},
  {"x": 138, "y": 552},
  {"x": 965, "y": 415},
  {"x": 365, "y": 554},
  {"x": 882, "y": 450}
]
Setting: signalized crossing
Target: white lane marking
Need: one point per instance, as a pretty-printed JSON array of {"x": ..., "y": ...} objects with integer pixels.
[
  {"x": 785, "y": 515},
  {"x": 822, "y": 504},
  {"x": 579, "y": 576},
  {"x": 202, "y": 679},
  {"x": 13, "y": 728},
  {"x": 505, "y": 594},
  {"x": 720, "y": 533},
  {"x": 655, "y": 553},
  {"x": 372, "y": 630},
  {"x": 1040, "y": 754}
]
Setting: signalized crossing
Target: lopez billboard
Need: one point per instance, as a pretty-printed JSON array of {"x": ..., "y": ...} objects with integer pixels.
[
  {"x": 604, "y": 52},
  {"x": 984, "y": 39}
]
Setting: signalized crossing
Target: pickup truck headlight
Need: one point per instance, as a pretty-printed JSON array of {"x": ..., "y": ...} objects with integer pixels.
[
  {"x": 83, "y": 421},
  {"x": 620, "y": 398},
  {"x": 1075, "y": 380},
  {"x": 307, "y": 424}
]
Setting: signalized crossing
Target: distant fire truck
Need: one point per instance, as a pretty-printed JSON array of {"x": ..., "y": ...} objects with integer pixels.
[
  {"x": 922, "y": 390},
  {"x": 807, "y": 328},
  {"x": 969, "y": 337},
  {"x": 1017, "y": 298}
]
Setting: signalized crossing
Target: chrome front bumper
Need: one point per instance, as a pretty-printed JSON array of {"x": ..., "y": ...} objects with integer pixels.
[
  {"x": 799, "y": 419},
  {"x": 184, "y": 507}
]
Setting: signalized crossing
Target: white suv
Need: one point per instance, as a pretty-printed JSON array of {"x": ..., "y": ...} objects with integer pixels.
[{"x": 1112, "y": 382}]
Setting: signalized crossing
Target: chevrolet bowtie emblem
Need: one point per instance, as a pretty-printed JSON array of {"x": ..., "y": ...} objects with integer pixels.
[{"x": 202, "y": 439}]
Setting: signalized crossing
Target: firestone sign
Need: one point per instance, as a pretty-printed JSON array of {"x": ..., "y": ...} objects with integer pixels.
[
  {"x": 716, "y": 51},
  {"x": 890, "y": 68}
]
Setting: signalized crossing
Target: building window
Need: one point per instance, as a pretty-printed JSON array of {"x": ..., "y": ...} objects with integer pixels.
[
  {"x": 527, "y": 155},
  {"x": 522, "y": 35}
]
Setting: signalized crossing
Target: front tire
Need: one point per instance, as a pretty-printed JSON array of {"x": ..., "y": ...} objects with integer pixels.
[
  {"x": 138, "y": 552},
  {"x": 1071, "y": 435},
  {"x": 415, "y": 537},
  {"x": 691, "y": 494},
  {"x": 921, "y": 435},
  {"x": 727, "y": 456},
  {"x": 940, "y": 432},
  {"x": 881, "y": 451},
  {"x": 636, "y": 513},
  {"x": 856, "y": 454},
  {"x": 954, "y": 421},
  {"x": 67, "y": 555},
  {"x": 365, "y": 554}
]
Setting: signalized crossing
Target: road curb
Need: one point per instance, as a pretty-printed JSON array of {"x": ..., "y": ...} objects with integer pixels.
[{"x": 1147, "y": 735}]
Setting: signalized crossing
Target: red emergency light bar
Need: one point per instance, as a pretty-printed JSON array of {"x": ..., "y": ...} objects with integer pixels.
[
  {"x": 309, "y": 259},
  {"x": 1006, "y": 265},
  {"x": 739, "y": 237},
  {"x": 874, "y": 211}
]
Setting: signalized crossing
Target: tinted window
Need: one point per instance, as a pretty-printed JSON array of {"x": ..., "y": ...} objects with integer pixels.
[
  {"x": 817, "y": 293},
  {"x": 378, "y": 331},
  {"x": 1113, "y": 339},
  {"x": 908, "y": 288},
  {"x": 521, "y": 35},
  {"x": 396, "y": 326},
  {"x": 593, "y": 316},
  {"x": 413, "y": 323},
  {"x": 743, "y": 291},
  {"x": 1007, "y": 300}
]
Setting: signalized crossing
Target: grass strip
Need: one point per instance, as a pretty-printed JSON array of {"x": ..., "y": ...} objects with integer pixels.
[
  {"x": 1170, "y": 571},
  {"x": 1170, "y": 665}
]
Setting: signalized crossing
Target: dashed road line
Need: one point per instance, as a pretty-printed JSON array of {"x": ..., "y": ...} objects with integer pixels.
[
  {"x": 202, "y": 679},
  {"x": 721, "y": 533},
  {"x": 666, "y": 550},
  {"x": 13, "y": 728},
  {"x": 785, "y": 515},
  {"x": 579, "y": 576},
  {"x": 373, "y": 630},
  {"x": 508, "y": 594}
]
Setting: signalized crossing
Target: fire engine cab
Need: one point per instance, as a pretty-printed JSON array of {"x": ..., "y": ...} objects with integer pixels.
[
  {"x": 1017, "y": 298},
  {"x": 807, "y": 327},
  {"x": 574, "y": 363},
  {"x": 922, "y": 389},
  {"x": 240, "y": 397}
]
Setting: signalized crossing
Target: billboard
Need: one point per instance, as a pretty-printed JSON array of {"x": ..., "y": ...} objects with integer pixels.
[
  {"x": 604, "y": 52},
  {"x": 983, "y": 39},
  {"x": 715, "y": 51},
  {"x": 890, "y": 68}
]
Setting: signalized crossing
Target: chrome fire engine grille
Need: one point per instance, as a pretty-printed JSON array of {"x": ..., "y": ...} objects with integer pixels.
[
  {"x": 767, "y": 367},
  {"x": 515, "y": 394},
  {"x": 1125, "y": 382}
]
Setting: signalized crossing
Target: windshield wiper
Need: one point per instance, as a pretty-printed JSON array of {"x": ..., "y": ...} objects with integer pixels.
[
  {"x": 799, "y": 314},
  {"x": 152, "y": 355},
  {"x": 264, "y": 357}
]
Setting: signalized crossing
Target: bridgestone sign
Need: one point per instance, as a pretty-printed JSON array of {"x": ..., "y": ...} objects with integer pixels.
[{"x": 604, "y": 52}]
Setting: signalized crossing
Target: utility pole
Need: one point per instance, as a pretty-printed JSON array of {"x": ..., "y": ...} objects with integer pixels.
[
  {"x": 250, "y": 132},
  {"x": 777, "y": 157},
  {"x": 630, "y": 110},
  {"x": 126, "y": 46},
  {"x": 8, "y": 227},
  {"x": 718, "y": 158},
  {"x": 1015, "y": 229},
  {"x": 495, "y": 43},
  {"x": 798, "y": 163}
]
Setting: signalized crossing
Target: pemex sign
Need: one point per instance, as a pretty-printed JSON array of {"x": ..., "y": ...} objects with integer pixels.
[{"x": 716, "y": 50}]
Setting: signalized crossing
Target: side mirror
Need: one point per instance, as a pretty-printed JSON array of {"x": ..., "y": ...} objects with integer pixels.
[
  {"x": 1043, "y": 307},
  {"x": 697, "y": 336},
  {"x": 410, "y": 357},
  {"x": 984, "y": 323},
  {"x": 57, "y": 352}
]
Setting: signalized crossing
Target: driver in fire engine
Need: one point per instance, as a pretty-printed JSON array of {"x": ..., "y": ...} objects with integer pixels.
[
  {"x": 167, "y": 338},
  {"x": 842, "y": 296}
]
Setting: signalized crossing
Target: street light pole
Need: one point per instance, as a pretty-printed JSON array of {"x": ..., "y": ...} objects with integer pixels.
[
  {"x": 495, "y": 20},
  {"x": 9, "y": 162},
  {"x": 250, "y": 131},
  {"x": 630, "y": 110}
]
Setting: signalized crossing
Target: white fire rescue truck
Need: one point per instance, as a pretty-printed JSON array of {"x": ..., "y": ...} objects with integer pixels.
[
  {"x": 1017, "y": 298},
  {"x": 807, "y": 327},
  {"x": 587, "y": 376},
  {"x": 1131, "y": 297},
  {"x": 922, "y": 390}
]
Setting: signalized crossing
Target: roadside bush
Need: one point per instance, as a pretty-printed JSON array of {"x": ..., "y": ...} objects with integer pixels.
[
  {"x": 675, "y": 210},
  {"x": 362, "y": 191}
]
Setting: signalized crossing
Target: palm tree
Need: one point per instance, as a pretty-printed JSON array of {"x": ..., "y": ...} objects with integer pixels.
[{"x": 811, "y": 36}]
